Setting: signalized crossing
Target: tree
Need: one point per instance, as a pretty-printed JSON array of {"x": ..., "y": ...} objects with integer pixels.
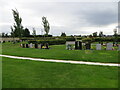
[
  {"x": 63, "y": 34},
  {"x": 115, "y": 32},
  {"x": 46, "y": 25},
  {"x": 100, "y": 34},
  {"x": 3, "y": 34},
  {"x": 18, "y": 28},
  {"x": 26, "y": 32},
  {"x": 12, "y": 33},
  {"x": 34, "y": 32},
  {"x": 95, "y": 34}
]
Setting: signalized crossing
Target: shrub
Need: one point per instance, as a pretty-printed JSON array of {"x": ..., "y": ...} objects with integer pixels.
[{"x": 50, "y": 42}]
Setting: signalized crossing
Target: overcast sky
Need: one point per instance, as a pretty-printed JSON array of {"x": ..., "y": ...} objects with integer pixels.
[{"x": 73, "y": 18}]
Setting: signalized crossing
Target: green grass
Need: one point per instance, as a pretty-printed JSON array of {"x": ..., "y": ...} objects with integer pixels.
[
  {"x": 59, "y": 52},
  {"x": 35, "y": 74}
]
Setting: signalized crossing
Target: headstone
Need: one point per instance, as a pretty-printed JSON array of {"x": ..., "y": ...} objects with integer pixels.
[
  {"x": 27, "y": 46},
  {"x": 88, "y": 46},
  {"x": 23, "y": 45},
  {"x": 47, "y": 46},
  {"x": 36, "y": 45},
  {"x": 31, "y": 45},
  {"x": 76, "y": 44},
  {"x": 20, "y": 45},
  {"x": 69, "y": 47},
  {"x": 39, "y": 46},
  {"x": 109, "y": 46},
  {"x": 98, "y": 46},
  {"x": 80, "y": 45}
]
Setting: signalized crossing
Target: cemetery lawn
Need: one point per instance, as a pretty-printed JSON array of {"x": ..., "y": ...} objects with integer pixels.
[
  {"x": 34, "y": 74},
  {"x": 60, "y": 53}
]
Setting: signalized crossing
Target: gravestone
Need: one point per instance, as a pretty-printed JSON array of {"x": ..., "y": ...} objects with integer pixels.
[
  {"x": 76, "y": 44},
  {"x": 36, "y": 45},
  {"x": 47, "y": 46},
  {"x": 39, "y": 46},
  {"x": 80, "y": 45},
  {"x": 98, "y": 46},
  {"x": 69, "y": 45},
  {"x": 27, "y": 46},
  {"x": 31, "y": 45},
  {"x": 23, "y": 45},
  {"x": 20, "y": 45},
  {"x": 88, "y": 46},
  {"x": 109, "y": 46},
  {"x": 42, "y": 45}
]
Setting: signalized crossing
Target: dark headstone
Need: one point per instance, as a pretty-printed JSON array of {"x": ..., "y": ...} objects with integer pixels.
[
  {"x": 23, "y": 45},
  {"x": 27, "y": 46},
  {"x": 80, "y": 45},
  {"x": 76, "y": 44},
  {"x": 36, "y": 45}
]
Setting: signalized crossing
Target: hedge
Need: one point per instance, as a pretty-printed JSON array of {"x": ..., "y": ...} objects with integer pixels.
[{"x": 50, "y": 42}]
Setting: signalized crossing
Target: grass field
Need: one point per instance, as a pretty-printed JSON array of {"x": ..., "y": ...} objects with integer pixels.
[
  {"x": 59, "y": 52},
  {"x": 35, "y": 74}
]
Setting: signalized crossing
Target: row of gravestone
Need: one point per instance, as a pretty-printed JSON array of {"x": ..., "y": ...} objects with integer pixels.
[
  {"x": 109, "y": 46},
  {"x": 79, "y": 46},
  {"x": 39, "y": 46}
]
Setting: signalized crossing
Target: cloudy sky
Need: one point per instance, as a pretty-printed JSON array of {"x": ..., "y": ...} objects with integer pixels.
[{"x": 73, "y": 18}]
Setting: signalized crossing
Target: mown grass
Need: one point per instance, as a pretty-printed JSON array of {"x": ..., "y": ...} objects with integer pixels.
[
  {"x": 35, "y": 74},
  {"x": 59, "y": 52}
]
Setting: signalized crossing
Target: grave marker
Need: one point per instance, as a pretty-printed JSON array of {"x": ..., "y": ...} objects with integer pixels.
[
  {"x": 98, "y": 46},
  {"x": 109, "y": 46}
]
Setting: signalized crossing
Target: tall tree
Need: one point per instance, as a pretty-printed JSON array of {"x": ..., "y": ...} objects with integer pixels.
[
  {"x": 34, "y": 32},
  {"x": 18, "y": 28},
  {"x": 26, "y": 32},
  {"x": 46, "y": 25},
  {"x": 12, "y": 33},
  {"x": 63, "y": 34},
  {"x": 95, "y": 34},
  {"x": 100, "y": 34}
]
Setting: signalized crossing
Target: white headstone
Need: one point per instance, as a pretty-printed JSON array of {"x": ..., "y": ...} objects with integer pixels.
[
  {"x": 98, "y": 46},
  {"x": 109, "y": 46},
  {"x": 31, "y": 45}
]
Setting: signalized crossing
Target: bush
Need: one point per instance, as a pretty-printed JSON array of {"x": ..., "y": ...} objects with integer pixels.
[{"x": 50, "y": 42}]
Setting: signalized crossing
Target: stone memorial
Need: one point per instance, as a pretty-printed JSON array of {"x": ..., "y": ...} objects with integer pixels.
[
  {"x": 88, "y": 46},
  {"x": 39, "y": 46},
  {"x": 109, "y": 46},
  {"x": 78, "y": 45},
  {"x": 98, "y": 46},
  {"x": 69, "y": 45},
  {"x": 47, "y": 46},
  {"x": 23, "y": 45},
  {"x": 36, "y": 45},
  {"x": 31, "y": 45},
  {"x": 27, "y": 46}
]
